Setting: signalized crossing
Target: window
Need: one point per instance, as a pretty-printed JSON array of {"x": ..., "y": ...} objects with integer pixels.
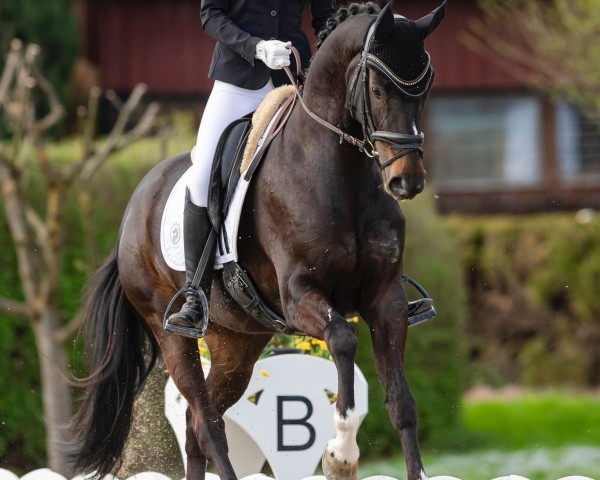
[
  {"x": 474, "y": 142},
  {"x": 578, "y": 144}
]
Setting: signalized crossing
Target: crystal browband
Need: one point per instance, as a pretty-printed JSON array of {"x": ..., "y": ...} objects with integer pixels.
[{"x": 378, "y": 64}]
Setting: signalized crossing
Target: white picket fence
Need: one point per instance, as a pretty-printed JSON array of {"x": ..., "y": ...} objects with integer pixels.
[{"x": 46, "y": 474}]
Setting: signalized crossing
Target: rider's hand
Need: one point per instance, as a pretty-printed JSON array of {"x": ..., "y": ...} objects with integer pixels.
[{"x": 274, "y": 53}]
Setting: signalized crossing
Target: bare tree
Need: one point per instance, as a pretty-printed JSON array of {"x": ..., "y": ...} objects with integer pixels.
[
  {"x": 551, "y": 45},
  {"x": 37, "y": 233}
]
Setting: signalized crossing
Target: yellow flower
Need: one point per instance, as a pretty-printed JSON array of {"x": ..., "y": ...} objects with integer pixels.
[
  {"x": 319, "y": 343},
  {"x": 304, "y": 345}
]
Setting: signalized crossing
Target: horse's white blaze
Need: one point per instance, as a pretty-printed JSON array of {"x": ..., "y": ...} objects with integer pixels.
[{"x": 343, "y": 446}]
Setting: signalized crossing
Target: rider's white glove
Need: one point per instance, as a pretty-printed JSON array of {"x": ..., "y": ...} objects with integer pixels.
[{"x": 274, "y": 53}]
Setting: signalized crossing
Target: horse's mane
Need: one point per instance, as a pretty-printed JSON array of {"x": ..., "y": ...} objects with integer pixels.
[{"x": 342, "y": 14}]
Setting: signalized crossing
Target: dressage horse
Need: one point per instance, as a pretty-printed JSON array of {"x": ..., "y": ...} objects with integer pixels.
[{"x": 322, "y": 236}]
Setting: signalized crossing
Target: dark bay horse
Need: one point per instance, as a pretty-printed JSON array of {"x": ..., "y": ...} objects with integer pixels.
[{"x": 322, "y": 236}]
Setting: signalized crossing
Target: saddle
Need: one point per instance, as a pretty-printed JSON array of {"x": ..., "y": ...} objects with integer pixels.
[{"x": 241, "y": 149}]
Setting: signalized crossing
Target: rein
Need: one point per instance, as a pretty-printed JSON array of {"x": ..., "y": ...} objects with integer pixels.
[
  {"x": 406, "y": 142},
  {"x": 343, "y": 135}
]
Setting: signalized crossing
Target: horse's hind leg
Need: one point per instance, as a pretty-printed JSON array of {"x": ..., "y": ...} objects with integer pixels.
[
  {"x": 316, "y": 317},
  {"x": 205, "y": 426},
  {"x": 196, "y": 461},
  {"x": 233, "y": 356}
]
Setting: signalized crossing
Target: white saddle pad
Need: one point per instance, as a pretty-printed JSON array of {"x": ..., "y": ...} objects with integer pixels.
[{"x": 171, "y": 231}]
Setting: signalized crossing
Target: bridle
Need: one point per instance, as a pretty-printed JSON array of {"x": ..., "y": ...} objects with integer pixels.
[{"x": 407, "y": 143}]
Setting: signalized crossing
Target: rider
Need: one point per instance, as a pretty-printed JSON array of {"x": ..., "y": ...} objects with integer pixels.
[{"x": 253, "y": 40}]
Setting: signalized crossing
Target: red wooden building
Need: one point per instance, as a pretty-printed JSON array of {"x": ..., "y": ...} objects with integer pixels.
[{"x": 491, "y": 144}]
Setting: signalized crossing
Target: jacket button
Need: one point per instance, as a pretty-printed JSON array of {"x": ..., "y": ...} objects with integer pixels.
[{"x": 273, "y": 13}]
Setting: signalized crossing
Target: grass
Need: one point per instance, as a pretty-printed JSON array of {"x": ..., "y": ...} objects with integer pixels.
[
  {"x": 541, "y": 436},
  {"x": 550, "y": 419}
]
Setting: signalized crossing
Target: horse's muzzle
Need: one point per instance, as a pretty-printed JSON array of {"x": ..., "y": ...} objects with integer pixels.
[{"x": 405, "y": 186}]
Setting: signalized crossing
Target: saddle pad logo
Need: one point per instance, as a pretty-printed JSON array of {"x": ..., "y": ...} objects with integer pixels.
[{"x": 175, "y": 233}]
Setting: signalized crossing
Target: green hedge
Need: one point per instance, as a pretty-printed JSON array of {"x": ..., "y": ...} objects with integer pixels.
[{"x": 533, "y": 296}]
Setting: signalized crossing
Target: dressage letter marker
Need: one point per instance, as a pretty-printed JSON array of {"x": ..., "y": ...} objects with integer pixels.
[{"x": 284, "y": 417}]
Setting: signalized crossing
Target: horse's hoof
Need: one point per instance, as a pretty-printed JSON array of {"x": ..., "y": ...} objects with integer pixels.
[{"x": 338, "y": 468}]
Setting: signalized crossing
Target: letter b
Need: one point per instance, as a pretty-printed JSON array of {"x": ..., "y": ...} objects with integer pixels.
[{"x": 302, "y": 422}]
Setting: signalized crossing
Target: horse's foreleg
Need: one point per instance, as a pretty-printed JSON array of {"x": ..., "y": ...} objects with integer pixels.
[
  {"x": 317, "y": 318},
  {"x": 340, "y": 460},
  {"x": 388, "y": 323}
]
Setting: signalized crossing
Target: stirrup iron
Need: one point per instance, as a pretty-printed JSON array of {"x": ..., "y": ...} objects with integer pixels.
[
  {"x": 197, "y": 331},
  {"x": 426, "y": 314}
]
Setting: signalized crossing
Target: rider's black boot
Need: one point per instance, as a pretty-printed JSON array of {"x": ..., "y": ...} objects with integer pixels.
[{"x": 192, "y": 319}]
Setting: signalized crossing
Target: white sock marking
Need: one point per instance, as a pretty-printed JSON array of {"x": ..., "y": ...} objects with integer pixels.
[{"x": 344, "y": 445}]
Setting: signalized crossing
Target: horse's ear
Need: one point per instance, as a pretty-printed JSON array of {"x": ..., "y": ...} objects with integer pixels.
[
  {"x": 384, "y": 25},
  {"x": 429, "y": 23}
]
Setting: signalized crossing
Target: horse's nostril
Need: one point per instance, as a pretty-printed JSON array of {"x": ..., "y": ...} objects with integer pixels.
[{"x": 396, "y": 185}]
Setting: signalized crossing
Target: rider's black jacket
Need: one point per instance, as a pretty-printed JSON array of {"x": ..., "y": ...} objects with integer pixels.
[{"x": 238, "y": 25}]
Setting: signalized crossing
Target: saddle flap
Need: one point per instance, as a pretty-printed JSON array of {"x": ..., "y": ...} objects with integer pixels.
[{"x": 226, "y": 167}]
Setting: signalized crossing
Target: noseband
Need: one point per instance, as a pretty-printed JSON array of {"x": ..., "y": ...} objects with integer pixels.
[{"x": 407, "y": 143}]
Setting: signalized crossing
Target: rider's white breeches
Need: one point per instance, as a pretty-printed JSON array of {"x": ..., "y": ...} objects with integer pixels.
[{"x": 225, "y": 104}]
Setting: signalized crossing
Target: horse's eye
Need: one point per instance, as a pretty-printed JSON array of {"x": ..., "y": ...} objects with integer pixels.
[{"x": 376, "y": 91}]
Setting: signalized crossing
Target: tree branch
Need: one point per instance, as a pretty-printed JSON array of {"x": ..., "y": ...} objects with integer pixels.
[
  {"x": 11, "y": 66},
  {"x": 14, "y": 206},
  {"x": 56, "y": 111},
  {"x": 115, "y": 140},
  {"x": 550, "y": 46},
  {"x": 65, "y": 333},
  {"x": 15, "y": 308}
]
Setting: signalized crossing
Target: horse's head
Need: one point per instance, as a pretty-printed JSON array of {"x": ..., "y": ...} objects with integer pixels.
[{"x": 386, "y": 95}]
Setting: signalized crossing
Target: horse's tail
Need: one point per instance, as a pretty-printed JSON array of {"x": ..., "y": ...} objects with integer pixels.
[{"x": 121, "y": 351}]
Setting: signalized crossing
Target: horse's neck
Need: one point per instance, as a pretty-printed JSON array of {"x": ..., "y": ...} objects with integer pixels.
[
  {"x": 326, "y": 83},
  {"x": 324, "y": 158}
]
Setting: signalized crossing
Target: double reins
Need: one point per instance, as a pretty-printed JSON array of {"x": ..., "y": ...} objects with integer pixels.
[{"x": 407, "y": 143}]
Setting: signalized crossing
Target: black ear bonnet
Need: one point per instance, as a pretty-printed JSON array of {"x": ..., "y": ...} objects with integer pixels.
[{"x": 395, "y": 48}]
